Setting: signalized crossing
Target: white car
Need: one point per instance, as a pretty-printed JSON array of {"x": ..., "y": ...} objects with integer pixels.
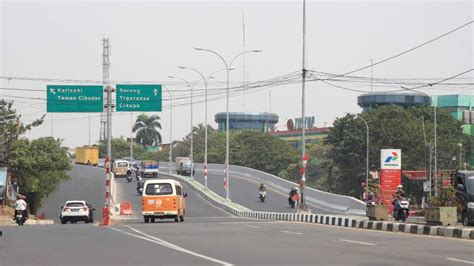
[{"x": 76, "y": 210}]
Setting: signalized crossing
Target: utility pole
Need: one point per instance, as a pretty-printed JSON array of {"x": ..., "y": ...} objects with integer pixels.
[
  {"x": 131, "y": 136},
  {"x": 243, "y": 61},
  {"x": 108, "y": 90},
  {"x": 52, "y": 135},
  {"x": 89, "y": 118},
  {"x": 303, "y": 115},
  {"x": 435, "y": 151},
  {"x": 371, "y": 75}
]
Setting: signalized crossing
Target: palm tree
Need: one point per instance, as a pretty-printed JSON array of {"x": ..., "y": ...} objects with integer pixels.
[{"x": 146, "y": 128}]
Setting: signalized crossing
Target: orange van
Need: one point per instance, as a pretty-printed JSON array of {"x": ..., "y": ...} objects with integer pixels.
[{"x": 163, "y": 198}]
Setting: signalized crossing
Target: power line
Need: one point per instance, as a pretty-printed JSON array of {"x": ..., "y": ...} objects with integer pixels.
[{"x": 407, "y": 51}]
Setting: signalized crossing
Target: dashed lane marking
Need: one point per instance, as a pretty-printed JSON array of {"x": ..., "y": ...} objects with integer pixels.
[
  {"x": 290, "y": 232},
  {"x": 357, "y": 242},
  {"x": 462, "y": 261}
]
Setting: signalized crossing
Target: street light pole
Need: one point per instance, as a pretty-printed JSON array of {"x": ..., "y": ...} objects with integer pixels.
[
  {"x": 170, "y": 168},
  {"x": 435, "y": 138},
  {"x": 192, "y": 133},
  {"x": 367, "y": 159},
  {"x": 227, "y": 67},
  {"x": 460, "y": 156},
  {"x": 205, "y": 119}
]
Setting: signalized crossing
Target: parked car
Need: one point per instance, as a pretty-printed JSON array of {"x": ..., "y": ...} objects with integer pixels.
[
  {"x": 76, "y": 210},
  {"x": 464, "y": 186}
]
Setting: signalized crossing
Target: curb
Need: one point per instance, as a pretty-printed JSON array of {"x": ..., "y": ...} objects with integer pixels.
[
  {"x": 417, "y": 229},
  {"x": 210, "y": 195},
  {"x": 335, "y": 220}
]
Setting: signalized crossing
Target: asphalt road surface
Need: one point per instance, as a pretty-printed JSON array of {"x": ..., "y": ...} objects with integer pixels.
[
  {"x": 224, "y": 241},
  {"x": 244, "y": 191},
  {"x": 85, "y": 183},
  {"x": 210, "y": 236}
]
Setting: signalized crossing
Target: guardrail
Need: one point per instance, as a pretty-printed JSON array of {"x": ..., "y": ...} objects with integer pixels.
[{"x": 340, "y": 204}]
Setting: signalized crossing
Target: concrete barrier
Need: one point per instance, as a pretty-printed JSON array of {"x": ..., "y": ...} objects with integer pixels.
[{"x": 334, "y": 220}]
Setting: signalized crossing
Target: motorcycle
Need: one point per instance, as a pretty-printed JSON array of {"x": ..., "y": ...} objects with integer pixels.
[
  {"x": 262, "y": 195},
  {"x": 400, "y": 210},
  {"x": 140, "y": 184},
  {"x": 293, "y": 200},
  {"x": 20, "y": 218},
  {"x": 129, "y": 178}
]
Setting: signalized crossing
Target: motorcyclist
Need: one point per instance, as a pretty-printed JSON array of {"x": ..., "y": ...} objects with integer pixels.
[
  {"x": 293, "y": 193},
  {"x": 396, "y": 197},
  {"x": 262, "y": 187},
  {"x": 21, "y": 205}
]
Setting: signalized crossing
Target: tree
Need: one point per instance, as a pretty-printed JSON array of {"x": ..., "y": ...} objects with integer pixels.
[
  {"x": 390, "y": 127},
  {"x": 39, "y": 167},
  {"x": 11, "y": 128},
  {"x": 253, "y": 149},
  {"x": 262, "y": 151},
  {"x": 121, "y": 148},
  {"x": 146, "y": 128}
]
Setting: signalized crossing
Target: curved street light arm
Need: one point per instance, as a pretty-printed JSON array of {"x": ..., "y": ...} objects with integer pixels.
[
  {"x": 242, "y": 53},
  {"x": 214, "y": 52}
]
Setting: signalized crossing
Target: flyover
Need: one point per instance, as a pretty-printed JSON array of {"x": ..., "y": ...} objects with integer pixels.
[{"x": 244, "y": 184}]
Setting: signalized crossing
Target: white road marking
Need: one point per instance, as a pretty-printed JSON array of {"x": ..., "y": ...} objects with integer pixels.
[
  {"x": 290, "y": 232},
  {"x": 169, "y": 245},
  {"x": 251, "y": 226},
  {"x": 462, "y": 261},
  {"x": 213, "y": 217},
  {"x": 357, "y": 242}
]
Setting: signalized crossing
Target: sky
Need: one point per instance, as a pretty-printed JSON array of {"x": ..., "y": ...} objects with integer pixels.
[{"x": 150, "y": 40}]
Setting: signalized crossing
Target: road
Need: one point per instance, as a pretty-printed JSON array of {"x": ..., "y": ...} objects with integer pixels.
[
  {"x": 86, "y": 183},
  {"x": 210, "y": 236},
  {"x": 244, "y": 191}
]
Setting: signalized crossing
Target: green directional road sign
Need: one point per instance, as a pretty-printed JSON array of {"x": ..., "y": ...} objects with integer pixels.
[
  {"x": 138, "y": 98},
  {"x": 74, "y": 98}
]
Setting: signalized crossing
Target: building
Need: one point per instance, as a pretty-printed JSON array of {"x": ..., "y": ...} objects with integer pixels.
[
  {"x": 247, "y": 121},
  {"x": 374, "y": 100},
  {"x": 461, "y": 107}
]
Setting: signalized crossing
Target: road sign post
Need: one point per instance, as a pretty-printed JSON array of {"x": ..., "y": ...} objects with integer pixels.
[
  {"x": 74, "y": 99},
  {"x": 139, "y": 98}
]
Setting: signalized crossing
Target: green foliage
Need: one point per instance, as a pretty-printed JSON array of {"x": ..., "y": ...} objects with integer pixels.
[
  {"x": 121, "y": 148},
  {"x": 262, "y": 151},
  {"x": 39, "y": 166},
  {"x": 11, "y": 128},
  {"x": 147, "y": 130},
  {"x": 342, "y": 165},
  {"x": 253, "y": 149}
]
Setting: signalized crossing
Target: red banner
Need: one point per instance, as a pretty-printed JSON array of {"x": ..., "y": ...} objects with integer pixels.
[{"x": 389, "y": 180}]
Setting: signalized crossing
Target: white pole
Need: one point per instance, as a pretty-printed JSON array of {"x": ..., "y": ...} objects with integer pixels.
[
  {"x": 303, "y": 115},
  {"x": 435, "y": 152},
  {"x": 228, "y": 68},
  {"x": 131, "y": 135},
  {"x": 170, "y": 168},
  {"x": 205, "y": 122},
  {"x": 89, "y": 116}
]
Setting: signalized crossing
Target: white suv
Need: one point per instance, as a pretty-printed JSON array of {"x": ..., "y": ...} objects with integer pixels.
[{"x": 74, "y": 211}]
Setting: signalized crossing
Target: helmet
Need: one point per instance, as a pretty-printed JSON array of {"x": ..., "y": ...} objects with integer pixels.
[{"x": 399, "y": 186}]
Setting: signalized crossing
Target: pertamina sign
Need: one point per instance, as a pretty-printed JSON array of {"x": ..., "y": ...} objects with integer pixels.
[
  {"x": 139, "y": 98},
  {"x": 391, "y": 159},
  {"x": 390, "y": 174},
  {"x": 74, "y": 98}
]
